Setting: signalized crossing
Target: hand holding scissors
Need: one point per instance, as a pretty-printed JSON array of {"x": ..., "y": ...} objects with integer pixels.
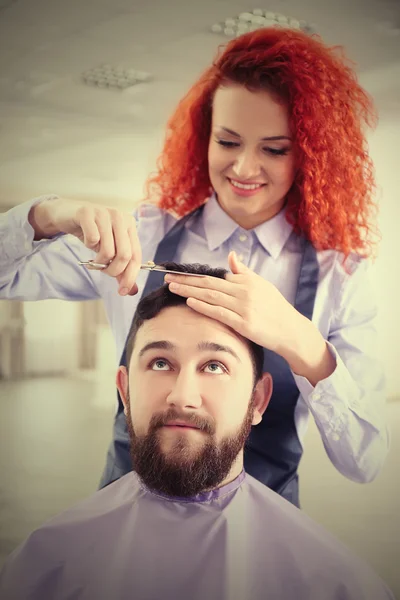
[
  {"x": 110, "y": 232},
  {"x": 149, "y": 266}
]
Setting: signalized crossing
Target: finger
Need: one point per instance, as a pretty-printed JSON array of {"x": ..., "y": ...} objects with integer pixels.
[
  {"x": 123, "y": 289},
  {"x": 241, "y": 279},
  {"x": 210, "y": 283},
  {"x": 106, "y": 251},
  {"x": 134, "y": 290},
  {"x": 212, "y": 297},
  {"x": 223, "y": 315},
  {"x": 235, "y": 265},
  {"x": 127, "y": 280},
  {"x": 90, "y": 230},
  {"x": 123, "y": 250}
]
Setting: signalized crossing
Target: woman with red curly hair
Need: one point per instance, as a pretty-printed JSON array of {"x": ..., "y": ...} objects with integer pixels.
[
  {"x": 330, "y": 196},
  {"x": 265, "y": 170}
]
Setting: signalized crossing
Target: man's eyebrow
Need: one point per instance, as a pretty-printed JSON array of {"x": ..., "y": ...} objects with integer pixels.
[
  {"x": 165, "y": 345},
  {"x": 217, "y": 348},
  {"x": 274, "y": 138},
  {"x": 159, "y": 345}
]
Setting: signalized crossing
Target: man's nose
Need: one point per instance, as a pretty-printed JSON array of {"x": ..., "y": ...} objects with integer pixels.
[{"x": 185, "y": 392}]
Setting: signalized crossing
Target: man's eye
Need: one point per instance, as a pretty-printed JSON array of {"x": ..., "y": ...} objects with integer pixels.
[
  {"x": 159, "y": 365},
  {"x": 215, "y": 367}
]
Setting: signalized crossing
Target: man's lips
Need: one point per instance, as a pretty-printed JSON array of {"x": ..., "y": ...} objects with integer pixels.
[{"x": 181, "y": 424}]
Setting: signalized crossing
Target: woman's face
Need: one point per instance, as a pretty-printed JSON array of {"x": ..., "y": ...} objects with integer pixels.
[{"x": 250, "y": 154}]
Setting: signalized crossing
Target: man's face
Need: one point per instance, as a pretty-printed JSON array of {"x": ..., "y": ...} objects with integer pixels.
[{"x": 190, "y": 403}]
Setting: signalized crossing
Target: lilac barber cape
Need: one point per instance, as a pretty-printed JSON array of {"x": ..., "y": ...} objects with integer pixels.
[{"x": 239, "y": 542}]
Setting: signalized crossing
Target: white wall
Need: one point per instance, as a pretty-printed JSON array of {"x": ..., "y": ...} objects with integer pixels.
[
  {"x": 51, "y": 337},
  {"x": 106, "y": 357},
  {"x": 385, "y": 151},
  {"x": 11, "y": 339}
]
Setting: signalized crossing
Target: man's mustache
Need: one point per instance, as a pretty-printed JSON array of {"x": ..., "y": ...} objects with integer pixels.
[{"x": 189, "y": 419}]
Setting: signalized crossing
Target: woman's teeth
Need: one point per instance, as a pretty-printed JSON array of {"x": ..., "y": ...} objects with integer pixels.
[{"x": 243, "y": 186}]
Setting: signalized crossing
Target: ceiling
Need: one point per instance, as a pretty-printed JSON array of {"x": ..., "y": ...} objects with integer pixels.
[{"x": 58, "y": 134}]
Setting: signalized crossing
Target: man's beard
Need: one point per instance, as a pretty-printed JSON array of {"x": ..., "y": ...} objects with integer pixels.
[{"x": 183, "y": 471}]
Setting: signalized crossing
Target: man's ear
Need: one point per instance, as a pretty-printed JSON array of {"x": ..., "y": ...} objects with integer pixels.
[
  {"x": 122, "y": 381},
  {"x": 262, "y": 396}
]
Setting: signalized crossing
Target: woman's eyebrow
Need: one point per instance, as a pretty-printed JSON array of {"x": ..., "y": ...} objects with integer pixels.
[{"x": 273, "y": 138}]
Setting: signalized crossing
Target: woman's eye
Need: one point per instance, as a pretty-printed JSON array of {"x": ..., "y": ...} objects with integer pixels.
[
  {"x": 273, "y": 151},
  {"x": 160, "y": 365},
  {"x": 227, "y": 144},
  {"x": 276, "y": 151},
  {"x": 215, "y": 367}
]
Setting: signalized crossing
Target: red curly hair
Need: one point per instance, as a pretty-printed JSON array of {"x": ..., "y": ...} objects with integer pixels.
[{"x": 332, "y": 197}]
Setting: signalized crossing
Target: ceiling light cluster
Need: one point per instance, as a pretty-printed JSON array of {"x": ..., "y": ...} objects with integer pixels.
[
  {"x": 258, "y": 18},
  {"x": 107, "y": 76}
]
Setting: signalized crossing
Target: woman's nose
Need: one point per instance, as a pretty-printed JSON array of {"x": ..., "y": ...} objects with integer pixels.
[{"x": 247, "y": 166}]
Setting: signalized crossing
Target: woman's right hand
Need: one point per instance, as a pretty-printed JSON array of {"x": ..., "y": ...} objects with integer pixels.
[{"x": 110, "y": 232}]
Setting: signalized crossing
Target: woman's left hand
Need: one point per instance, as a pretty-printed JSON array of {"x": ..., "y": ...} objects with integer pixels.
[
  {"x": 243, "y": 301},
  {"x": 255, "y": 309}
]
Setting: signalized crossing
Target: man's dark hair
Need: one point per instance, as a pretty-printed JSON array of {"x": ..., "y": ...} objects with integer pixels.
[{"x": 152, "y": 304}]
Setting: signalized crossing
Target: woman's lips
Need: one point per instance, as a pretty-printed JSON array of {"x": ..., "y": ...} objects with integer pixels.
[{"x": 247, "y": 190}]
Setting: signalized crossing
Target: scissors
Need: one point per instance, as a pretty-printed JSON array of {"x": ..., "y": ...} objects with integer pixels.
[{"x": 149, "y": 266}]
